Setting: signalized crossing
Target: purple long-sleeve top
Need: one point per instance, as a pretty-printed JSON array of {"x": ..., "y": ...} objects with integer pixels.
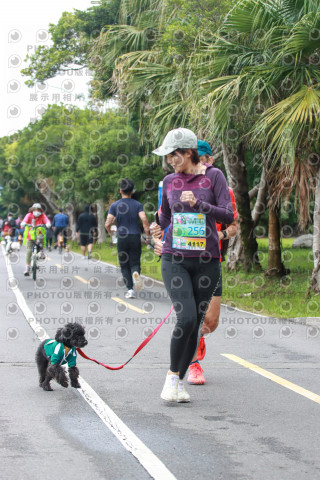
[{"x": 213, "y": 200}]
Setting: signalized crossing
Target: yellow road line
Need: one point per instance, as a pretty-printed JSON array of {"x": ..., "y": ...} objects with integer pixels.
[
  {"x": 136, "y": 309},
  {"x": 81, "y": 279},
  {"x": 281, "y": 381}
]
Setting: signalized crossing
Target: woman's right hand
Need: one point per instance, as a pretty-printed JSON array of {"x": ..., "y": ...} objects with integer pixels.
[{"x": 155, "y": 230}]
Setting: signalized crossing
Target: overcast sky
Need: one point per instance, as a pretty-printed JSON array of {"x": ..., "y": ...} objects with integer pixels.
[{"x": 24, "y": 26}]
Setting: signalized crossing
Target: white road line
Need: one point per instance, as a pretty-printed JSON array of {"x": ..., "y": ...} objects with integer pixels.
[
  {"x": 36, "y": 327},
  {"x": 129, "y": 440}
]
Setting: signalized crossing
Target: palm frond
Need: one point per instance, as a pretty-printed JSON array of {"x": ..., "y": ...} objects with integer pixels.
[
  {"x": 298, "y": 176},
  {"x": 248, "y": 16},
  {"x": 129, "y": 9},
  {"x": 283, "y": 125},
  {"x": 304, "y": 37},
  {"x": 293, "y": 10}
]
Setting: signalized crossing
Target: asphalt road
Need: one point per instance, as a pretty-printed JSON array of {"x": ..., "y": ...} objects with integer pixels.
[{"x": 243, "y": 424}]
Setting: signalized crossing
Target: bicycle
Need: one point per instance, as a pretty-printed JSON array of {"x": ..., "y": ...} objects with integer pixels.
[{"x": 37, "y": 246}]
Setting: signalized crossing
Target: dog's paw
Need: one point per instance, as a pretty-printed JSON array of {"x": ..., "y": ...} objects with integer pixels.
[
  {"x": 47, "y": 388},
  {"x": 75, "y": 385},
  {"x": 62, "y": 379}
]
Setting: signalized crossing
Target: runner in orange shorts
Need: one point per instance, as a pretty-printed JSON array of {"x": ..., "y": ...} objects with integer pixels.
[{"x": 211, "y": 320}]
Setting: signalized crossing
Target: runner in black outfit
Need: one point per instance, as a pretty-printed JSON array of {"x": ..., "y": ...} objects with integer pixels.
[
  {"x": 127, "y": 212},
  {"x": 86, "y": 227}
]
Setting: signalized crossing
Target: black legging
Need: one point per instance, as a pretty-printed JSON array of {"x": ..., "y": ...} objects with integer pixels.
[
  {"x": 190, "y": 282},
  {"x": 129, "y": 253}
]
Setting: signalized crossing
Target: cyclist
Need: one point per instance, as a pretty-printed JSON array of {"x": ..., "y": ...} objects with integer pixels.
[
  {"x": 37, "y": 214},
  {"x": 12, "y": 223},
  {"x": 7, "y": 233},
  {"x": 6, "y": 229}
]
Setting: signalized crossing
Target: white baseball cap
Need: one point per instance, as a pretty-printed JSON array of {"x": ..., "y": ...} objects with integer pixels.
[
  {"x": 177, "y": 138},
  {"x": 36, "y": 206}
]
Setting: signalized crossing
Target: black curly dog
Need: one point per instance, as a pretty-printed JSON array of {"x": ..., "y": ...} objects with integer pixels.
[{"x": 71, "y": 335}]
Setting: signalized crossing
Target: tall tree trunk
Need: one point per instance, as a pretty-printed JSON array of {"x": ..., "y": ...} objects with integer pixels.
[
  {"x": 227, "y": 164},
  {"x": 315, "y": 278},
  {"x": 70, "y": 210},
  {"x": 275, "y": 265},
  {"x": 235, "y": 250},
  {"x": 237, "y": 179},
  {"x": 235, "y": 253},
  {"x": 102, "y": 237},
  {"x": 261, "y": 202}
]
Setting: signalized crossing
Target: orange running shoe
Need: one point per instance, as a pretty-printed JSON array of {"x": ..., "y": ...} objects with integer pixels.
[
  {"x": 202, "y": 348},
  {"x": 195, "y": 376}
]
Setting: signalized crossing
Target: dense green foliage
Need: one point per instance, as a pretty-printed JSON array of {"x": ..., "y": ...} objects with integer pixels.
[{"x": 74, "y": 156}]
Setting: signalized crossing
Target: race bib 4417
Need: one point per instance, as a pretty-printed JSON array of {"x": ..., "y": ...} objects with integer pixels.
[{"x": 189, "y": 231}]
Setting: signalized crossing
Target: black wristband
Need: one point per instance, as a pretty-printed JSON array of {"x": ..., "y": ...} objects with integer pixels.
[{"x": 224, "y": 233}]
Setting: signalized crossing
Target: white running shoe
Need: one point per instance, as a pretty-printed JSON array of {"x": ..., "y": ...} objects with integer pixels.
[
  {"x": 183, "y": 395},
  {"x": 137, "y": 280},
  {"x": 170, "y": 388},
  {"x": 130, "y": 294}
]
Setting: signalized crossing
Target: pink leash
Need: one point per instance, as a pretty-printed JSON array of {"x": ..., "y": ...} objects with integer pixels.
[{"x": 141, "y": 346}]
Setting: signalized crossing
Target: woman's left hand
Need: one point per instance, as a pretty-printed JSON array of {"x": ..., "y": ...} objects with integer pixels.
[
  {"x": 158, "y": 244},
  {"x": 188, "y": 196}
]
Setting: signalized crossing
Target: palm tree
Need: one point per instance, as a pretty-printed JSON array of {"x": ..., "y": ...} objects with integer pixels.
[
  {"x": 286, "y": 130},
  {"x": 137, "y": 31},
  {"x": 264, "y": 60}
]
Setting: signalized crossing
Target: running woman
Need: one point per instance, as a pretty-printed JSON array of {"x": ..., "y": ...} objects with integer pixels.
[{"x": 194, "y": 198}]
